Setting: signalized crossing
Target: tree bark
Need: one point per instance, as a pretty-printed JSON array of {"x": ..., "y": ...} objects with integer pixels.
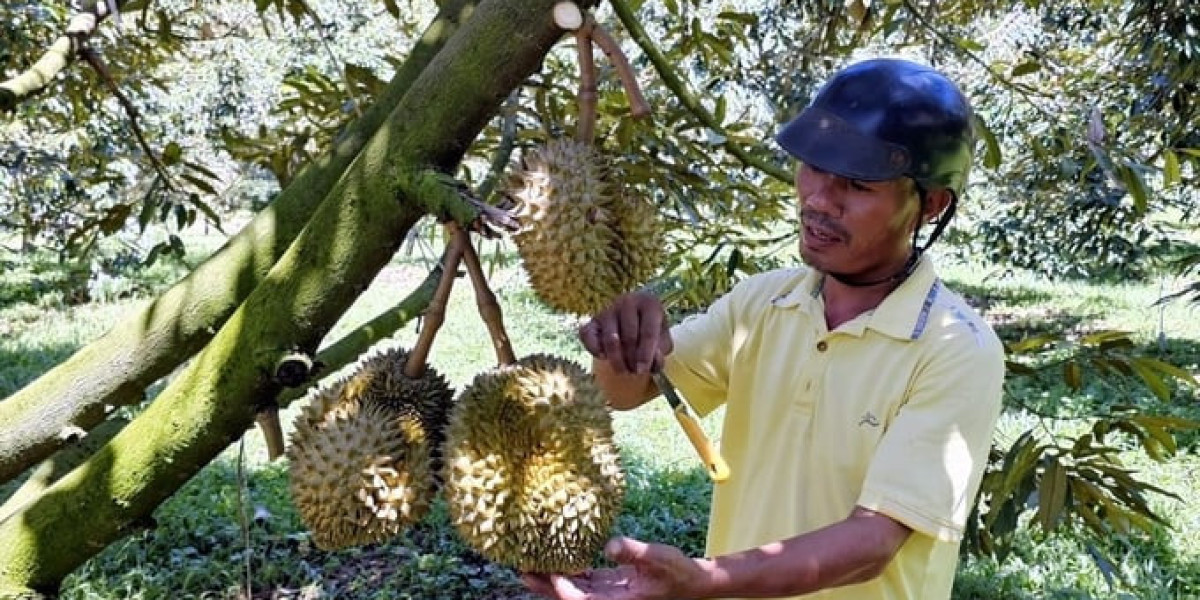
[
  {"x": 350, "y": 237},
  {"x": 115, "y": 369}
]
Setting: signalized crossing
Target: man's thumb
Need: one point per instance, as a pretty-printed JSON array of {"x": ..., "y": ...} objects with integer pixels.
[{"x": 625, "y": 550}]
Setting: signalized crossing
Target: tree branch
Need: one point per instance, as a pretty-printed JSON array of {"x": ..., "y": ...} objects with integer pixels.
[
  {"x": 60, "y": 54},
  {"x": 672, "y": 81},
  {"x": 149, "y": 344}
]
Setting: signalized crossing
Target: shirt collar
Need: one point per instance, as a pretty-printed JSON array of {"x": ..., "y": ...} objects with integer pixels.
[{"x": 902, "y": 314}]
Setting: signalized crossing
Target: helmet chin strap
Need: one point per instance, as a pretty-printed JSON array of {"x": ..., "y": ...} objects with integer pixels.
[{"x": 914, "y": 257}]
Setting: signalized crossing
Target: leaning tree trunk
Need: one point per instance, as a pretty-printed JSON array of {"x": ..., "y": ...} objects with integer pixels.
[
  {"x": 115, "y": 369},
  {"x": 351, "y": 236}
]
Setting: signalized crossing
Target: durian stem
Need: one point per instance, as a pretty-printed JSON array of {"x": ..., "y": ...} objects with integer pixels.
[
  {"x": 435, "y": 315},
  {"x": 637, "y": 103},
  {"x": 585, "y": 130},
  {"x": 489, "y": 308}
]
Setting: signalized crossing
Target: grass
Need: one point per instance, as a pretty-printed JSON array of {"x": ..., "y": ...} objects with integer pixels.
[{"x": 198, "y": 548}]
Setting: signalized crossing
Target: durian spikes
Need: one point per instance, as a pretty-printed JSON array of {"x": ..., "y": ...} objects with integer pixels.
[
  {"x": 360, "y": 471},
  {"x": 533, "y": 479},
  {"x": 365, "y": 455},
  {"x": 582, "y": 240}
]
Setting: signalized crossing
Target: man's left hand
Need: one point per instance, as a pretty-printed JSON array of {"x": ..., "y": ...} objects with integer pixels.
[{"x": 644, "y": 572}]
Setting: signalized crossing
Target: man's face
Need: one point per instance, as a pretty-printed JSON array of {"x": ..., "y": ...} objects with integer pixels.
[{"x": 858, "y": 228}]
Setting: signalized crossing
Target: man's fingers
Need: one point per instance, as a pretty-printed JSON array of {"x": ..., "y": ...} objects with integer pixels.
[
  {"x": 589, "y": 336},
  {"x": 626, "y": 550},
  {"x": 566, "y": 589},
  {"x": 650, "y": 334},
  {"x": 538, "y": 584},
  {"x": 630, "y": 322}
]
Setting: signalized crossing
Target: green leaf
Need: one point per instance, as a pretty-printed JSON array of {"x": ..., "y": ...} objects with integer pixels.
[
  {"x": 991, "y": 155},
  {"x": 1104, "y": 336},
  {"x": 1031, "y": 344},
  {"x": 1168, "y": 369},
  {"x": 392, "y": 8},
  {"x": 1135, "y": 184},
  {"x": 203, "y": 185},
  {"x": 1073, "y": 375},
  {"x": 1171, "y": 175},
  {"x": 1151, "y": 378},
  {"x": 171, "y": 154},
  {"x": 1052, "y": 494},
  {"x": 740, "y": 17},
  {"x": 1025, "y": 68}
]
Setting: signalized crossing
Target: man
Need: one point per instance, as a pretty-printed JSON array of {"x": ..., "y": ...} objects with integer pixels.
[{"x": 860, "y": 392}]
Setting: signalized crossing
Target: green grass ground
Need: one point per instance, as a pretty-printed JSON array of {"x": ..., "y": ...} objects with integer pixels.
[{"x": 202, "y": 547}]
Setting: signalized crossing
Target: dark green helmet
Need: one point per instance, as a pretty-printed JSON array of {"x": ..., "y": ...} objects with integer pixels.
[{"x": 885, "y": 118}]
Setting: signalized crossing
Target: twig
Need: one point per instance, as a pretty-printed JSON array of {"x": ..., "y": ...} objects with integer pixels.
[
  {"x": 435, "y": 315},
  {"x": 508, "y": 136},
  {"x": 241, "y": 510},
  {"x": 637, "y": 103},
  {"x": 585, "y": 128},
  {"x": 1019, "y": 89},
  {"x": 485, "y": 300},
  {"x": 688, "y": 99},
  {"x": 97, "y": 63}
]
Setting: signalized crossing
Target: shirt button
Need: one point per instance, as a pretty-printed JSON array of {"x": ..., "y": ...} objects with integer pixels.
[{"x": 822, "y": 346}]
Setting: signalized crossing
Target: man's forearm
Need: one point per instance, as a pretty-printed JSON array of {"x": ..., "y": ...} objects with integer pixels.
[{"x": 854, "y": 550}]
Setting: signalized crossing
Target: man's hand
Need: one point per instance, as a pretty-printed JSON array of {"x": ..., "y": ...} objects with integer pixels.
[
  {"x": 632, "y": 334},
  {"x": 644, "y": 572}
]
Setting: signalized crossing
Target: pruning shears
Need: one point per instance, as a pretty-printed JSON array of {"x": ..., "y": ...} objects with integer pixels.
[{"x": 718, "y": 469}]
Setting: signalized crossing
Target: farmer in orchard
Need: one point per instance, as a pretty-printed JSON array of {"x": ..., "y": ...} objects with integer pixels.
[{"x": 860, "y": 393}]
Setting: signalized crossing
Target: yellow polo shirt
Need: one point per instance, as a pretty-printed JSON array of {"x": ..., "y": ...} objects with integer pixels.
[{"x": 892, "y": 411}]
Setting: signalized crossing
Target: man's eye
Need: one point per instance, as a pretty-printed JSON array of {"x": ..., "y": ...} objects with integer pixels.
[{"x": 859, "y": 185}]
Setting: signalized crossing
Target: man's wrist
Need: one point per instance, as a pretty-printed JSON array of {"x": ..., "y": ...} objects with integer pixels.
[{"x": 713, "y": 582}]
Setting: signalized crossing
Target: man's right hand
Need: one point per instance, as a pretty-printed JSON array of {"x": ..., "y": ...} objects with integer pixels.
[{"x": 632, "y": 334}]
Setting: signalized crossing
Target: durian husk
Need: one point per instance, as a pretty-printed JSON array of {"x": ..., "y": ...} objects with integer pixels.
[
  {"x": 582, "y": 240},
  {"x": 364, "y": 457},
  {"x": 533, "y": 479},
  {"x": 381, "y": 378}
]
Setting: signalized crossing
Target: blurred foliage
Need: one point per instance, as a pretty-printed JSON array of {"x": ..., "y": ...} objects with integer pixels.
[{"x": 1053, "y": 479}]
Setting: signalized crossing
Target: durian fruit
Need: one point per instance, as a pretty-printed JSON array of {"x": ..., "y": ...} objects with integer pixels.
[
  {"x": 582, "y": 240},
  {"x": 364, "y": 452},
  {"x": 533, "y": 479},
  {"x": 382, "y": 378}
]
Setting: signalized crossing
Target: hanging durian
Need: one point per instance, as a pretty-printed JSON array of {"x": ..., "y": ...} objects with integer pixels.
[
  {"x": 533, "y": 479},
  {"x": 384, "y": 379},
  {"x": 581, "y": 239},
  {"x": 365, "y": 454},
  {"x": 360, "y": 470}
]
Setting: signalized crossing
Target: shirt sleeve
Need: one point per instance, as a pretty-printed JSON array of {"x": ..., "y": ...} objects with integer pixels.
[
  {"x": 926, "y": 470},
  {"x": 699, "y": 363}
]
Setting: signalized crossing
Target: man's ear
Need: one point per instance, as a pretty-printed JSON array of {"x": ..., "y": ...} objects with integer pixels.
[{"x": 936, "y": 202}]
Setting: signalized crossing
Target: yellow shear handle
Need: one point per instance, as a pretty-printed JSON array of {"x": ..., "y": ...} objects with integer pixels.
[{"x": 718, "y": 470}]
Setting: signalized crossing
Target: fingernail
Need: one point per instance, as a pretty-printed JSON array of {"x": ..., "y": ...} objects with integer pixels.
[{"x": 643, "y": 367}]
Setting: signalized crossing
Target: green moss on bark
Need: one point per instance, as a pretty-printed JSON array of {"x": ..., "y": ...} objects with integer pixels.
[{"x": 350, "y": 237}]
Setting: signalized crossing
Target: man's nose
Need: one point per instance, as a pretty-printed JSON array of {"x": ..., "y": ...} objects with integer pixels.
[{"x": 820, "y": 195}]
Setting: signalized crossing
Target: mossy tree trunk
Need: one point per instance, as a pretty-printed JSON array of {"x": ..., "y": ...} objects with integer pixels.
[
  {"x": 115, "y": 369},
  {"x": 350, "y": 236}
]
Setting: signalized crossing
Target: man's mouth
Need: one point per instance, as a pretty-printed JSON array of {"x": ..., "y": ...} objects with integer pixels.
[{"x": 820, "y": 234}]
